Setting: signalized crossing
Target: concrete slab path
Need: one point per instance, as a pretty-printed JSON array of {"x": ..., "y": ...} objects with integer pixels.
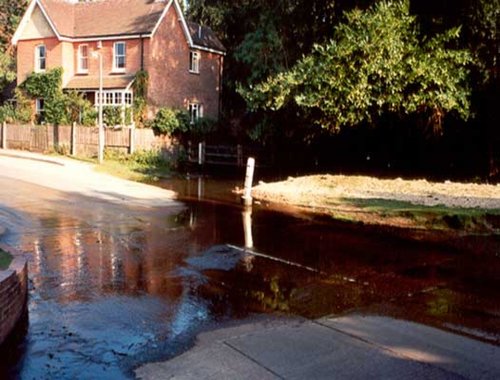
[{"x": 351, "y": 347}]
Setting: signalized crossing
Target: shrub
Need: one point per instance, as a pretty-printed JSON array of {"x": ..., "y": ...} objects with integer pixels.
[
  {"x": 112, "y": 116},
  {"x": 24, "y": 111},
  {"x": 170, "y": 121},
  {"x": 7, "y": 113},
  {"x": 202, "y": 127}
]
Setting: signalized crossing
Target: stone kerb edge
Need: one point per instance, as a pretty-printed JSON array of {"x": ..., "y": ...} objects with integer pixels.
[{"x": 13, "y": 291}]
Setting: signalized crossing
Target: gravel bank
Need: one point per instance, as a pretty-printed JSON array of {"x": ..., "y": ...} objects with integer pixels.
[{"x": 329, "y": 190}]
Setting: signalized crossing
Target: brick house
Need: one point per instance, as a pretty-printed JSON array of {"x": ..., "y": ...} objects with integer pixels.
[{"x": 184, "y": 60}]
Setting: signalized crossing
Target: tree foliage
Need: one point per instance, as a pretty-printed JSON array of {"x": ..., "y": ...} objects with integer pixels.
[
  {"x": 11, "y": 12},
  {"x": 373, "y": 65}
]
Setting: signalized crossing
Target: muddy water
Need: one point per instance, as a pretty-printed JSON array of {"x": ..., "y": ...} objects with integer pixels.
[{"x": 113, "y": 287}]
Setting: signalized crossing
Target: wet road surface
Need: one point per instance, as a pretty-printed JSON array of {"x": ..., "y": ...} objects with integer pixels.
[{"x": 117, "y": 285}]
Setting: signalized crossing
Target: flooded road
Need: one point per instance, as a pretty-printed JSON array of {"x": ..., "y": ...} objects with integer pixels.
[{"x": 116, "y": 286}]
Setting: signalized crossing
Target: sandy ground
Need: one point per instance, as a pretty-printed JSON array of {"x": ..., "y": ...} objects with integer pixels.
[{"x": 396, "y": 202}]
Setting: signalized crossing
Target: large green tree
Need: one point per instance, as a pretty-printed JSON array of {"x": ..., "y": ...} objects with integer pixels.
[
  {"x": 265, "y": 37},
  {"x": 11, "y": 12},
  {"x": 374, "y": 65}
]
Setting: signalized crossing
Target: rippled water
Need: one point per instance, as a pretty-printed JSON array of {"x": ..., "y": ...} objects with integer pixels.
[{"x": 113, "y": 287}]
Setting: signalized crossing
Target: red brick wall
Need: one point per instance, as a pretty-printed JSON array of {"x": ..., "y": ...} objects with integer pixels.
[
  {"x": 67, "y": 57},
  {"x": 133, "y": 57},
  {"x": 170, "y": 82},
  {"x": 26, "y": 56},
  {"x": 13, "y": 294}
]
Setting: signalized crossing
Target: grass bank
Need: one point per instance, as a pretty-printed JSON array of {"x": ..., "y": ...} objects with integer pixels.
[
  {"x": 399, "y": 203},
  {"x": 141, "y": 166},
  {"x": 5, "y": 259}
]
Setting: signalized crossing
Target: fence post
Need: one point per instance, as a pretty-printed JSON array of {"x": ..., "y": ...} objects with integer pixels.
[
  {"x": 131, "y": 140},
  {"x": 73, "y": 139},
  {"x": 201, "y": 153},
  {"x": 4, "y": 135}
]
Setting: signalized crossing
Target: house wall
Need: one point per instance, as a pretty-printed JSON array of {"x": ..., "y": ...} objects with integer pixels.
[
  {"x": 26, "y": 56},
  {"x": 65, "y": 55},
  {"x": 37, "y": 27},
  {"x": 132, "y": 63},
  {"x": 170, "y": 82},
  {"x": 67, "y": 63}
]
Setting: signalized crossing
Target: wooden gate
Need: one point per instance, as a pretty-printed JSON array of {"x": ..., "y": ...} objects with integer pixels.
[{"x": 39, "y": 139}]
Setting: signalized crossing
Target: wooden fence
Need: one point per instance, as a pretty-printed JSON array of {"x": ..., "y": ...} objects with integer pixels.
[
  {"x": 79, "y": 140},
  {"x": 225, "y": 155}
]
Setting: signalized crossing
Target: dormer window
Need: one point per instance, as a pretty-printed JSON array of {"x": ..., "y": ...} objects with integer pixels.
[
  {"x": 119, "y": 57},
  {"x": 40, "y": 58},
  {"x": 83, "y": 58},
  {"x": 194, "y": 62}
]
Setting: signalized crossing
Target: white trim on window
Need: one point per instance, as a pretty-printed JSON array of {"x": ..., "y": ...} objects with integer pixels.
[
  {"x": 119, "y": 57},
  {"x": 83, "y": 59},
  {"x": 195, "y": 112},
  {"x": 39, "y": 106},
  {"x": 40, "y": 58},
  {"x": 115, "y": 98},
  {"x": 194, "y": 62}
]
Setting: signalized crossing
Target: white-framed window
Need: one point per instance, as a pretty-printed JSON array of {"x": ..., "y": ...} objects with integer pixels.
[
  {"x": 39, "y": 106},
  {"x": 114, "y": 98},
  {"x": 128, "y": 98},
  {"x": 108, "y": 98},
  {"x": 83, "y": 58},
  {"x": 194, "y": 62},
  {"x": 119, "y": 56},
  {"x": 195, "y": 112},
  {"x": 40, "y": 58}
]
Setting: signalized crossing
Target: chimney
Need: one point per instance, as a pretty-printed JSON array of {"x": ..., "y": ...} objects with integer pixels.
[{"x": 199, "y": 32}]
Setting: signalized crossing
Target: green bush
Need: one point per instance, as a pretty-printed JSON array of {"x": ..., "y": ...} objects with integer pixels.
[
  {"x": 128, "y": 116},
  {"x": 170, "y": 121},
  {"x": 24, "y": 110},
  {"x": 112, "y": 116},
  {"x": 79, "y": 109},
  {"x": 55, "y": 111},
  {"x": 7, "y": 113},
  {"x": 202, "y": 127}
]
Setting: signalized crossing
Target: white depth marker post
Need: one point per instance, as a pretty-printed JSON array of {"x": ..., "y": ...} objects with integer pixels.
[{"x": 247, "y": 193}]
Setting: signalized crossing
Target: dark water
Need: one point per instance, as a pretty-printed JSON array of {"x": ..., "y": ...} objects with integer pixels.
[{"x": 113, "y": 287}]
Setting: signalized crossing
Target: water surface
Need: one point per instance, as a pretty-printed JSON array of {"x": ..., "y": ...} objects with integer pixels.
[{"x": 113, "y": 287}]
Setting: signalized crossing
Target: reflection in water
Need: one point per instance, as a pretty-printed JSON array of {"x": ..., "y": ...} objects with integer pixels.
[
  {"x": 247, "y": 226},
  {"x": 114, "y": 287}
]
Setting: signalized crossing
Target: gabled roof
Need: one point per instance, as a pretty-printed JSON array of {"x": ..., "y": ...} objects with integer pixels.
[
  {"x": 103, "y": 17},
  {"x": 99, "y": 19},
  {"x": 204, "y": 36}
]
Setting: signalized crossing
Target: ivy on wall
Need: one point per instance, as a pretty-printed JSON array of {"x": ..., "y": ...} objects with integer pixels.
[
  {"x": 140, "y": 95},
  {"x": 48, "y": 86},
  {"x": 59, "y": 107}
]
